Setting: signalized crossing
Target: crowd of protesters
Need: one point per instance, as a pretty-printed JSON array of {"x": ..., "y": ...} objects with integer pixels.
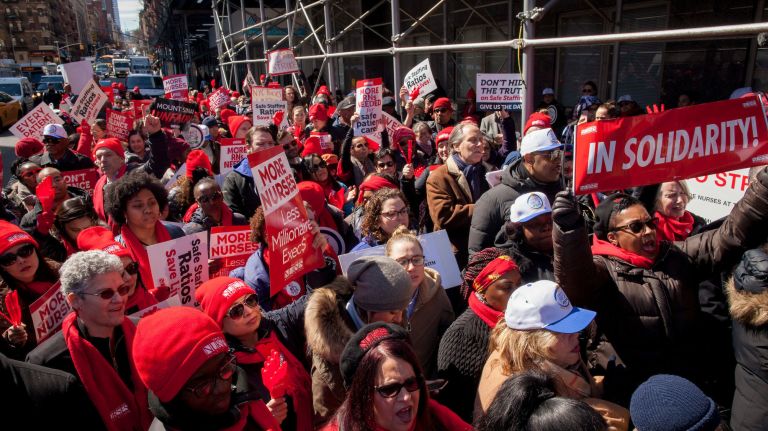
[{"x": 610, "y": 311}]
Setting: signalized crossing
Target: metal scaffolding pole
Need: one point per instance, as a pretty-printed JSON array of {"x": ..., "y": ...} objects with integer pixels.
[
  {"x": 229, "y": 25},
  {"x": 264, "y": 43},
  {"x": 395, "y": 7},
  {"x": 528, "y": 59},
  {"x": 219, "y": 41},
  {"x": 329, "y": 46},
  {"x": 245, "y": 38}
]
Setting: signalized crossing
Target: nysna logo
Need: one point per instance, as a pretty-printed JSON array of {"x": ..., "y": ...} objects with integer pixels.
[
  {"x": 588, "y": 130},
  {"x": 232, "y": 288},
  {"x": 749, "y": 104},
  {"x": 535, "y": 202},
  {"x": 590, "y": 186},
  {"x": 121, "y": 410},
  {"x": 761, "y": 158},
  {"x": 215, "y": 346},
  {"x": 111, "y": 248},
  {"x": 561, "y": 298},
  {"x": 17, "y": 236}
]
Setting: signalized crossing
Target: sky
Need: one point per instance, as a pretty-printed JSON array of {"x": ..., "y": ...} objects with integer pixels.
[{"x": 129, "y": 14}]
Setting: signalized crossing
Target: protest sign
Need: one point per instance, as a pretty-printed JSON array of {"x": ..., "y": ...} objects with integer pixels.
[
  {"x": 232, "y": 152},
  {"x": 77, "y": 74},
  {"x": 32, "y": 124},
  {"x": 265, "y": 102},
  {"x": 420, "y": 77},
  {"x": 194, "y": 135},
  {"x": 713, "y": 196},
  {"x": 675, "y": 144},
  {"x": 176, "y": 87},
  {"x": 368, "y": 103},
  {"x": 84, "y": 178},
  {"x": 390, "y": 124},
  {"x": 180, "y": 264},
  {"x": 48, "y": 312},
  {"x": 249, "y": 82},
  {"x": 326, "y": 141},
  {"x": 233, "y": 245},
  {"x": 288, "y": 230},
  {"x": 438, "y": 255},
  {"x": 282, "y": 62},
  {"x": 497, "y": 91},
  {"x": 218, "y": 99},
  {"x": 180, "y": 173},
  {"x": 119, "y": 124},
  {"x": 89, "y": 103},
  {"x": 172, "y": 111},
  {"x": 141, "y": 108}
]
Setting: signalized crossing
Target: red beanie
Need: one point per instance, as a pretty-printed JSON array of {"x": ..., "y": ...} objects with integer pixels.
[
  {"x": 313, "y": 193},
  {"x": 198, "y": 159},
  {"x": 442, "y": 102},
  {"x": 28, "y": 147},
  {"x": 373, "y": 183},
  {"x": 110, "y": 144},
  {"x": 226, "y": 114},
  {"x": 318, "y": 111},
  {"x": 121, "y": 86},
  {"x": 218, "y": 294},
  {"x": 312, "y": 145},
  {"x": 100, "y": 238},
  {"x": 11, "y": 236},
  {"x": 235, "y": 121},
  {"x": 402, "y": 133},
  {"x": 443, "y": 135},
  {"x": 136, "y": 89},
  {"x": 114, "y": 85},
  {"x": 537, "y": 119},
  {"x": 171, "y": 344},
  {"x": 323, "y": 90}
]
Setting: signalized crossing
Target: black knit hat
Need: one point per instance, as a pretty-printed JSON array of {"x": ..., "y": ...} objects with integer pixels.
[
  {"x": 605, "y": 211},
  {"x": 367, "y": 338}
]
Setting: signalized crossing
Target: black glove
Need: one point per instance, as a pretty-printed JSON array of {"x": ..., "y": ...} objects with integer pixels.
[{"x": 565, "y": 212}]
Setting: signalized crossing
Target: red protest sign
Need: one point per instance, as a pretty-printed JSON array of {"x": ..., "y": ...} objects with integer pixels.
[
  {"x": 232, "y": 244},
  {"x": 48, "y": 312},
  {"x": 218, "y": 98},
  {"x": 119, "y": 124},
  {"x": 176, "y": 87},
  {"x": 85, "y": 179},
  {"x": 232, "y": 152},
  {"x": 289, "y": 235},
  {"x": 141, "y": 108},
  {"x": 675, "y": 144}
]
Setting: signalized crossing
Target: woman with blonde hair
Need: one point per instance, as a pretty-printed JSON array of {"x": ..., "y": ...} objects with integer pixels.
[{"x": 541, "y": 332}]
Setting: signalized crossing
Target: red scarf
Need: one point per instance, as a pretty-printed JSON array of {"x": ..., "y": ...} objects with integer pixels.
[
  {"x": 605, "y": 248},
  {"x": 484, "y": 311},
  {"x": 297, "y": 381},
  {"x": 674, "y": 229},
  {"x": 140, "y": 298},
  {"x": 139, "y": 254},
  {"x": 98, "y": 193},
  {"x": 119, "y": 408},
  {"x": 226, "y": 214}
]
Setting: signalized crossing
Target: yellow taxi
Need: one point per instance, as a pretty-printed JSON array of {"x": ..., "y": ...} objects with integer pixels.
[{"x": 10, "y": 110}]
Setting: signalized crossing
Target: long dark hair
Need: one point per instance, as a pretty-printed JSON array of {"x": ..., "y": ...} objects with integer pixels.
[
  {"x": 71, "y": 210},
  {"x": 45, "y": 272},
  {"x": 356, "y": 413}
]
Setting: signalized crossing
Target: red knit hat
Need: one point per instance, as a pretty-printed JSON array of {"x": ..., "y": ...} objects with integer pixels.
[
  {"x": 171, "y": 344},
  {"x": 226, "y": 114},
  {"x": 11, "y": 236},
  {"x": 539, "y": 120},
  {"x": 323, "y": 90},
  {"x": 313, "y": 145},
  {"x": 198, "y": 159},
  {"x": 318, "y": 111},
  {"x": 234, "y": 122},
  {"x": 100, "y": 238},
  {"x": 28, "y": 147},
  {"x": 218, "y": 294},
  {"x": 402, "y": 133},
  {"x": 442, "y": 102},
  {"x": 110, "y": 144},
  {"x": 443, "y": 135},
  {"x": 121, "y": 86}
]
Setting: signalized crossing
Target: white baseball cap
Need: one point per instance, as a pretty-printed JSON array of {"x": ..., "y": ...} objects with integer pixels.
[
  {"x": 544, "y": 305},
  {"x": 547, "y": 91},
  {"x": 625, "y": 98},
  {"x": 54, "y": 130},
  {"x": 529, "y": 206},
  {"x": 539, "y": 140}
]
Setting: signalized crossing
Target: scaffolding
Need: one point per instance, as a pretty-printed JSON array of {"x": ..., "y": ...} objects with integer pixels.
[{"x": 321, "y": 19}]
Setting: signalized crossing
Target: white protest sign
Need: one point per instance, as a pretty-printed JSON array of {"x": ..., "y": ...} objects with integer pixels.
[
  {"x": 89, "y": 103},
  {"x": 176, "y": 86},
  {"x": 181, "y": 265},
  {"x": 232, "y": 152},
  {"x": 438, "y": 255},
  {"x": 713, "y": 196},
  {"x": 368, "y": 106},
  {"x": 282, "y": 62},
  {"x": 249, "y": 82},
  {"x": 182, "y": 171},
  {"x": 77, "y": 74},
  {"x": 420, "y": 77},
  {"x": 497, "y": 91},
  {"x": 32, "y": 124},
  {"x": 265, "y": 103},
  {"x": 193, "y": 134},
  {"x": 391, "y": 124},
  {"x": 48, "y": 312}
]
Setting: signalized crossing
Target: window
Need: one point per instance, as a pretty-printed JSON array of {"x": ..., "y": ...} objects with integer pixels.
[
  {"x": 639, "y": 72},
  {"x": 581, "y": 63}
]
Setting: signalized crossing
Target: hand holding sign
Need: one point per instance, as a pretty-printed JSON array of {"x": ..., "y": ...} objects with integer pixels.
[{"x": 151, "y": 124}]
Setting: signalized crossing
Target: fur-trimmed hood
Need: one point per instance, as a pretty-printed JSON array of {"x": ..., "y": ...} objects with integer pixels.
[
  {"x": 749, "y": 309},
  {"x": 325, "y": 322}
]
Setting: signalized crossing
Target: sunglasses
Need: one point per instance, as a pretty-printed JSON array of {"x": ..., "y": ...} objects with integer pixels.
[
  {"x": 638, "y": 226},
  {"x": 132, "y": 268},
  {"x": 50, "y": 140},
  {"x": 317, "y": 167},
  {"x": 552, "y": 155},
  {"x": 441, "y": 110},
  {"x": 238, "y": 310},
  {"x": 391, "y": 390},
  {"x": 385, "y": 164},
  {"x": 9, "y": 259},
  {"x": 215, "y": 197},
  {"x": 225, "y": 373},
  {"x": 108, "y": 294}
]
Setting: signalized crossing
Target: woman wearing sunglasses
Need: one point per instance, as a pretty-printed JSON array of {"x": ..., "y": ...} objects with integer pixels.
[
  {"x": 386, "y": 210},
  {"x": 386, "y": 387},
  {"x": 334, "y": 191},
  {"x": 22, "y": 270},
  {"x": 234, "y": 306},
  {"x": 646, "y": 291}
]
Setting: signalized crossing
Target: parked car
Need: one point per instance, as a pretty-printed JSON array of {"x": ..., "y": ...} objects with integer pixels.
[
  {"x": 10, "y": 110},
  {"x": 102, "y": 70},
  {"x": 149, "y": 85},
  {"x": 20, "y": 89},
  {"x": 121, "y": 66}
]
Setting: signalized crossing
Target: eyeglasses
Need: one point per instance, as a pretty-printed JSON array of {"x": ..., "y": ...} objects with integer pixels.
[
  {"x": 383, "y": 165},
  {"x": 417, "y": 260},
  {"x": 238, "y": 310},
  {"x": 205, "y": 389},
  {"x": 552, "y": 155},
  {"x": 107, "y": 294},
  {"x": 9, "y": 259},
  {"x": 132, "y": 268},
  {"x": 214, "y": 197},
  {"x": 391, "y": 390},
  {"x": 32, "y": 173},
  {"x": 50, "y": 140},
  {"x": 638, "y": 226},
  {"x": 441, "y": 110},
  {"x": 394, "y": 214},
  {"x": 318, "y": 166}
]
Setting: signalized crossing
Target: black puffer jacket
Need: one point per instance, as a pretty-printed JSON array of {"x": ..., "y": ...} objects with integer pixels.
[
  {"x": 649, "y": 318},
  {"x": 748, "y": 304},
  {"x": 492, "y": 209}
]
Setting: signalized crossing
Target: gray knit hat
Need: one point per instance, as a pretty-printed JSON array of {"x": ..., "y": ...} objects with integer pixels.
[{"x": 381, "y": 284}]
